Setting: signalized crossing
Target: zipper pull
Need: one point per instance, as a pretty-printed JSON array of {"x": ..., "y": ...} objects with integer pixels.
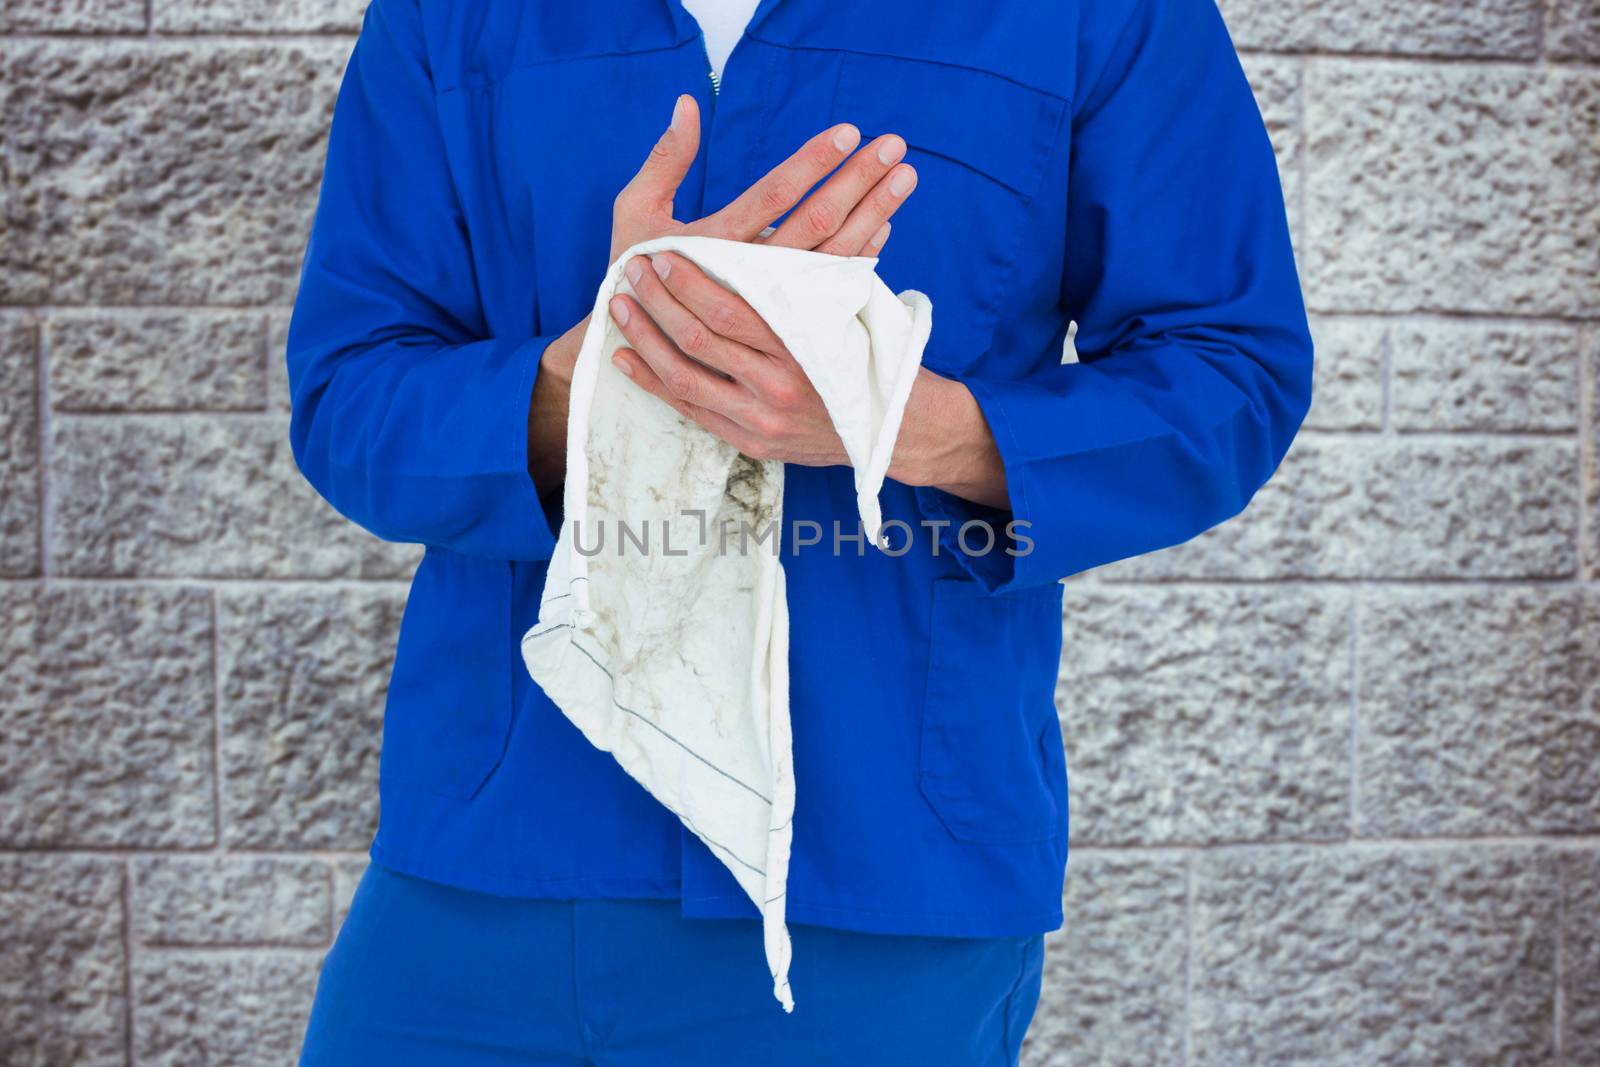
[{"x": 716, "y": 82}]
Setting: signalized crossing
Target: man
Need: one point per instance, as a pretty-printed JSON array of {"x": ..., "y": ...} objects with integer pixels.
[{"x": 1097, "y": 161}]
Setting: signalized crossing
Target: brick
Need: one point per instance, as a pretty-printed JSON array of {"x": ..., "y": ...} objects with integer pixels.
[
  {"x": 1347, "y": 390},
  {"x": 1470, "y": 376},
  {"x": 1374, "y": 956},
  {"x": 1478, "y": 711},
  {"x": 1452, "y": 187},
  {"x": 72, "y": 16},
  {"x": 108, "y": 717},
  {"x": 157, "y": 361},
  {"x": 1580, "y": 956},
  {"x": 1205, "y": 713},
  {"x": 160, "y": 172},
  {"x": 200, "y": 496},
  {"x": 277, "y": 366},
  {"x": 19, "y": 448},
  {"x": 235, "y": 1010},
  {"x": 1573, "y": 29},
  {"x": 1418, "y": 27},
  {"x": 304, "y": 676},
  {"x": 230, "y": 900},
  {"x": 1113, "y": 989},
  {"x": 62, "y": 966},
  {"x": 1394, "y": 507},
  {"x": 283, "y": 16}
]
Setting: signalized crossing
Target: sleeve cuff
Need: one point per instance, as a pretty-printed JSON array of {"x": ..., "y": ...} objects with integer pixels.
[{"x": 993, "y": 545}]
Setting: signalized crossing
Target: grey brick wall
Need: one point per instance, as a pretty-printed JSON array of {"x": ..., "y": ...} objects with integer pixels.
[{"x": 1335, "y": 764}]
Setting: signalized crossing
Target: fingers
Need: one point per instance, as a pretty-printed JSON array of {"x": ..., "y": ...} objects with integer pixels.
[
  {"x": 867, "y": 228},
  {"x": 856, "y": 196},
  {"x": 651, "y": 190},
  {"x": 782, "y": 187},
  {"x": 684, "y": 378},
  {"x": 693, "y": 335},
  {"x": 678, "y": 282},
  {"x": 629, "y": 363}
]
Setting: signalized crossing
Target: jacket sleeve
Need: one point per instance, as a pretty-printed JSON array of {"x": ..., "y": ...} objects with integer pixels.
[
  {"x": 1195, "y": 356},
  {"x": 407, "y": 414}
]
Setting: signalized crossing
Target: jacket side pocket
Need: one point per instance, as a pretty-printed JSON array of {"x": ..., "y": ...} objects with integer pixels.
[
  {"x": 989, "y": 715},
  {"x": 448, "y": 716}
]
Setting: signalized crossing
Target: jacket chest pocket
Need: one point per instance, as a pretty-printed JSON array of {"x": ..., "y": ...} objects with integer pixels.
[
  {"x": 991, "y": 761},
  {"x": 449, "y": 710},
  {"x": 981, "y": 144}
]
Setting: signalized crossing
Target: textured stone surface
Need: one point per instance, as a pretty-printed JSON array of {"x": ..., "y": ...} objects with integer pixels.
[
  {"x": 200, "y": 496},
  {"x": 1205, "y": 713},
  {"x": 1591, "y": 457},
  {"x": 1114, "y": 973},
  {"x": 1580, "y": 958},
  {"x": 61, "y": 962},
  {"x": 282, "y": 16},
  {"x": 1375, "y": 956},
  {"x": 1348, "y": 387},
  {"x": 1466, "y": 376},
  {"x": 1422, "y": 27},
  {"x": 346, "y": 877},
  {"x": 157, "y": 361},
  {"x": 239, "y": 1009},
  {"x": 1386, "y": 507},
  {"x": 1388, "y": 644},
  {"x": 1452, "y": 187},
  {"x": 225, "y": 900},
  {"x": 107, "y": 702},
  {"x": 303, "y": 678},
  {"x": 1572, "y": 30},
  {"x": 1480, "y": 711},
  {"x": 19, "y": 447},
  {"x": 277, "y": 368},
  {"x": 72, "y": 16},
  {"x": 160, "y": 173}
]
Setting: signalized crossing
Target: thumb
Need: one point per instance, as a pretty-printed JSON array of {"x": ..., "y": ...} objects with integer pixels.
[{"x": 670, "y": 157}]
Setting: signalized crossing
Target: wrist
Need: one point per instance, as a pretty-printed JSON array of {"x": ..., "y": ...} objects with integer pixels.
[
  {"x": 941, "y": 430},
  {"x": 560, "y": 357}
]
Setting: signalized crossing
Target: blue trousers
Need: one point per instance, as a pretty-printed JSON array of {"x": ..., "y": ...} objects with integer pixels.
[{"x": 427, "y": 975}]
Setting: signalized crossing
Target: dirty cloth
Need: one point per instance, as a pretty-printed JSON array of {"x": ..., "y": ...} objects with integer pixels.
[{"x": 663, "y": 624}]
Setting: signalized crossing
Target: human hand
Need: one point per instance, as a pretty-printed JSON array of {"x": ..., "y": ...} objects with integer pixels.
[
  {"x": 706, "y": 352},
  {"x": 848, "y": 215}
]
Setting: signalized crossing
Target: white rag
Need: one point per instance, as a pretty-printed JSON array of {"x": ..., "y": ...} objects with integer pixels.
[{"x": 663, "y": 629}]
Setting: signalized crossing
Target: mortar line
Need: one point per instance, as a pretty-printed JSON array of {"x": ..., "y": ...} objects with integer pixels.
[
  {"x": 127, "y": 963},
  {"x": 1357, "y": 602},
  {"x": 220, "y": 845},
  {"x": 41, "y": 366},
  {"x": 1589, "y": 429},
  {"x": 1558, "y": 1005}
]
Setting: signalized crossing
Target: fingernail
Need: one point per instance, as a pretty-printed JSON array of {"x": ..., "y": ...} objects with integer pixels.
[
  {"x": 890, "y": 150},
  {"x": 621, "y": 364},
  {"x": 881, "y": 236},
  {"x": 662, "y": 265},
  {"x": 633, "y": 271},
  {"x": 902, "y": 181},
  {"x": 619, "y": 311},
  {"x": 680, "y": 108},
  {"x": 846, "y": 137}
]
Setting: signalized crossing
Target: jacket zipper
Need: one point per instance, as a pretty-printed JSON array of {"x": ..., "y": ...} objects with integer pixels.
[{"x": 716, "y": 82}]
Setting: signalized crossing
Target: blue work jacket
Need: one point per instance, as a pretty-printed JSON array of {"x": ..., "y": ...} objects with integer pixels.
[{"x": 1102, "y": 161}]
